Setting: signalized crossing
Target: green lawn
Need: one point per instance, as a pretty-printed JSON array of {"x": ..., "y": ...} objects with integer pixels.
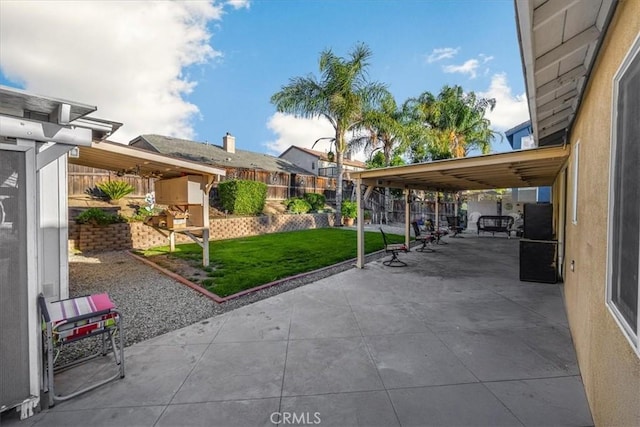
[{"x": 244, "y": 263}]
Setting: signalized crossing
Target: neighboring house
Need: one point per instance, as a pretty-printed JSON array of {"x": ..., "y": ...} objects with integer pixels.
[
  {"x": 521, "y": 138},
  {"x": 582, "y": 72},
  {"x": 319, "y": 163},
  {"x": 284, "y": 178}
]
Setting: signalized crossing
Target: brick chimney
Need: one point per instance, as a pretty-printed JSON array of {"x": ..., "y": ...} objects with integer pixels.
[{"x": 229, "y": 143}]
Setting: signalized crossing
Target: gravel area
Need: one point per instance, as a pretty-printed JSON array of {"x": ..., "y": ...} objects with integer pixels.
[{"x": 151, "y": 302}]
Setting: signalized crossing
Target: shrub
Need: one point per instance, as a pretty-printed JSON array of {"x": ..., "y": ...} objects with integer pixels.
[
  {"x": 349, "y": 209},
  {"x": 298, "y": 205},
  {"x": 115, "y": 190},
  {"x": 243, "y": 197},
  {"x": 315, "y": 200},
  {"x": 97, "y": 216}
]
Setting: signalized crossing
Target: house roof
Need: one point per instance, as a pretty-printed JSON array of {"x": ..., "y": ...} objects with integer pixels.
[
  {"x": 522, "y": 168},
  {"x": 324, "y": 156},
  {"x": 12, "y": 99},
  {"x": 211, "y": 154},
  {"x": 559, "y": 42},
  {"x": 126, "y": 159}
]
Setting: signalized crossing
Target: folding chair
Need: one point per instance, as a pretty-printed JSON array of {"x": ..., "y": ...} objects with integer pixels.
[
  {"x": 424, "y": 239},
  {"x": 393, "y": 248},
  {"x": 74, "y": 319}
]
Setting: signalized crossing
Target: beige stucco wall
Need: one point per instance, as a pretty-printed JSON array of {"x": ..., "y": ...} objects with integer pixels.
[{"x": 610, "y": 368}]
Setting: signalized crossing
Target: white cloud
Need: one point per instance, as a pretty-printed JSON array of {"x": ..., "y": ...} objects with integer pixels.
[
  {"x": 239, "y": 4},
  {"x": 510, "y": 110},
  {"x": 439, "y": 54},
  {"x": 485, "y": 58},
  {"x": 127, "y": 58},
  {"x": 302, "y": 132},
  {"x": 470, "y": 67}
]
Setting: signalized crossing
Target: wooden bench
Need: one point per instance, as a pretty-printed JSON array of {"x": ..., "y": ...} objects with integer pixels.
[{"x": 495, "y": 223}]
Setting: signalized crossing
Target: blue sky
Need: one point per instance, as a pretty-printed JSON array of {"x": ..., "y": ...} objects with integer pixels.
[{"x": 199, "y": 70}]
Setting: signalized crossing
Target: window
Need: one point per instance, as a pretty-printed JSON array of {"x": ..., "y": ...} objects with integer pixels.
[
  {"x": 623, "y": 266},
  {"x": 576, "y": 167},
  {"x": 313, "y": 166}
]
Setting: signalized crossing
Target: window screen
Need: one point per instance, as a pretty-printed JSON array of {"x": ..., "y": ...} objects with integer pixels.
[{"x": 626, "y": 197}]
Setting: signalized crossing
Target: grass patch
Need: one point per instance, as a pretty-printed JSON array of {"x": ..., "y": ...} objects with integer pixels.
[{"x": 244, "y": 263}]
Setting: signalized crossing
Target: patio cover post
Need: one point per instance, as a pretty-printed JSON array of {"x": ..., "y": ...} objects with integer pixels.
[
  {"x": 359, "y": 226},
  {"x": 437, "y": 218},
  {"x": 407, "y": 214}
]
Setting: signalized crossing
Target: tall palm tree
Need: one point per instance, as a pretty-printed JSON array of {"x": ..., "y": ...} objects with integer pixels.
[{"x": 341, "y": 94}]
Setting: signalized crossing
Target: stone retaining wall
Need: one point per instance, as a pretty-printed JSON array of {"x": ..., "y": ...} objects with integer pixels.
[{"x": 136, "y": 235}]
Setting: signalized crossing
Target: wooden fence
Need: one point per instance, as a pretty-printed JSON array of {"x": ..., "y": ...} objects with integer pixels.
[{"x": 280, "y": 185}]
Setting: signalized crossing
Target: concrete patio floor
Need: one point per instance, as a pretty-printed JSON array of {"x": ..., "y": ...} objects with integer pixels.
[{"x": 453, "y": 339}]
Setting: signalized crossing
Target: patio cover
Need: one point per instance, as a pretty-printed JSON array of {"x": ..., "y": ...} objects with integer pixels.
[
  {"x": 125, "y": 159},
  {"x": 523, "y": 168}
]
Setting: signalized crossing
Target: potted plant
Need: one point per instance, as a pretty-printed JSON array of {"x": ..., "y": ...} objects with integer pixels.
[
  {"x": 367, "y": 217},
  {"x": 349, "y": 211}
]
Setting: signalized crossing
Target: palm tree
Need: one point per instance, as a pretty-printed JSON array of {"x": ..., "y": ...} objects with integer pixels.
[
  {"x": 386, "y": 129},
  {"x": 455, "y": 121},
  {"x": 341, "y": 94}
]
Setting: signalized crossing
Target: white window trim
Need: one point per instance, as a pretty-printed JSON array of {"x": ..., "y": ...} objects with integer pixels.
[
  {"x": 575, "y": 176},
  {"x": 633, "y": 338}
]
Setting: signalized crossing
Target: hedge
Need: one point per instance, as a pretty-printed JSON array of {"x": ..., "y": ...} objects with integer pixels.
[{"x": 242, "y": 197}]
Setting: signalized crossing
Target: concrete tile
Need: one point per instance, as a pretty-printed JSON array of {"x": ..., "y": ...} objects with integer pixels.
[
  {"x": 236, "y": 371},
  {"x": 255, "y": 323},
  {"x": 243, "y": 413},
  {"x": 329, "y": 366},
  {"x": 153, "y": 376},
  {"x": 471, "y": 314},
  {"x": 453, "y": 405},
  {"x": 493, "y": 355},
  {"x": 202, "y": 332},
  {"x": 116, "y": 417},
  {"x": 323, "y": 321},
  {"x": 549, "y": 401},
  {"x": 388, "y": 319},
  {"x": 366, "y": 409},
  {"x": 412, "y": 360}
]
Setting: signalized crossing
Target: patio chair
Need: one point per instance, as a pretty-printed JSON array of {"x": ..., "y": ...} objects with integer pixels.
[
  {"x": 393, "y": 249},
  {"x": 425, "y": 239},
  {"x": 74, "y": 319},
  {"x": 454, "y": 225}
]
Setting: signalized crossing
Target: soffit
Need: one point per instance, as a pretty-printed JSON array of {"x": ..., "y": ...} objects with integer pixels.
[
  {"x": 523, "y": 168},
  {"x": 559, "y": 40}
]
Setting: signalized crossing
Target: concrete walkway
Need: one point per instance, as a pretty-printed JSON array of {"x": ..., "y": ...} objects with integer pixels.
[{"x": 453, "y": 339}]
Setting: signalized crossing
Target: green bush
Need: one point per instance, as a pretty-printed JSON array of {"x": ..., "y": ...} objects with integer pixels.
[
  {"x": 115, "y": 190},
  {"x": 298, "y": 205},
  {"x": 315, "y": 200},
  {"x": 97, "y": 216},
  {"x": 349, "y": 209},
  {"x": 243, "y": 197}
]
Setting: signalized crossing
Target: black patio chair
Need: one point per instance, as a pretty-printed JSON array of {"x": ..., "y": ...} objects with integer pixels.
[
  {"x": 393, "y": 249},
  {"x": 425, "y": 239}
]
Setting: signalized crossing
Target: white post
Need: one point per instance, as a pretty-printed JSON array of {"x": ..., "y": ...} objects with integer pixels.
[
  {"x": 359, "y": 225},
  {"x": 407, "y": 216}
]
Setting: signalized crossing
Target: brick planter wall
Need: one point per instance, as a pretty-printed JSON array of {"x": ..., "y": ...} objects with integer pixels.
[{"x": 136, "y": 235}]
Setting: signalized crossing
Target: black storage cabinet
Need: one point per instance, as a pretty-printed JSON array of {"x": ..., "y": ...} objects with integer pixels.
[
  {"x": 538, "y": 221},
  {"x": 538, "y": 261}
]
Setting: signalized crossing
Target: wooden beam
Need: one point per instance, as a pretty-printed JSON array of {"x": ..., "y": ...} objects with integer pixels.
[
  {"x": 570, "y": 77},
  {"x": 560, "y": 102},
  {"x": 553, "y": 129},
  {"x": 555, "y": 118},
  {"x": 566, "y": 49},
  {"x": 549, "y": 10}
]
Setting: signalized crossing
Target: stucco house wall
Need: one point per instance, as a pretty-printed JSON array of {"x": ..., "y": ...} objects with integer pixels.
[{"x": 609, "y": 365}]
